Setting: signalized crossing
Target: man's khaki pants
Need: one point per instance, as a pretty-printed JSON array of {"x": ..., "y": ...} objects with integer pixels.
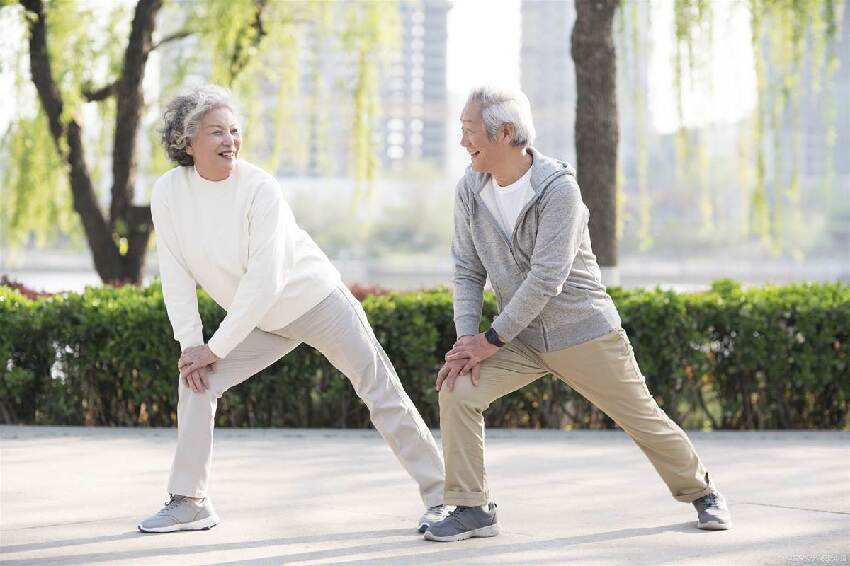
[
  {"x": 337, "y": 327},
  {"x": 605, "y": 372}
]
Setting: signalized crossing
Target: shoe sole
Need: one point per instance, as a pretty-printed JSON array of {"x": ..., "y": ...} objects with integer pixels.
[
  {"x": 713, "y": 526},
  {"x": 489, "y": 531},
  {"x": 200, "y": 525}
]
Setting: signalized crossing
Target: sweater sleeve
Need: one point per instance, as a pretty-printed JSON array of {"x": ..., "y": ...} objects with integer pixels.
[
  {"x": 178, "y": 286},
  {"x": 469, "y": 272},
  {"x": 271, "y": 235},
  {"x": 562, "y": 220}
]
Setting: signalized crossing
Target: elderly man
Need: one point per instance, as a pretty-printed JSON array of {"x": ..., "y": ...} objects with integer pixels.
[{"x": 520, "y": 221}]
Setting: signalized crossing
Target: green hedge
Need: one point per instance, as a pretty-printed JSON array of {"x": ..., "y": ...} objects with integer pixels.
[{"x": 772, "y": 357}]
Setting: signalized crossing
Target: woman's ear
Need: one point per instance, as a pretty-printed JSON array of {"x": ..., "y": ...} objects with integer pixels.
[{"x": 189, "y": 150}]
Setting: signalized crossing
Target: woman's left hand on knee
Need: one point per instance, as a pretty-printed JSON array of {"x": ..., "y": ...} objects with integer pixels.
[
  {"x": 195, "y": 358},
  {"x": 198, "y": 380}
]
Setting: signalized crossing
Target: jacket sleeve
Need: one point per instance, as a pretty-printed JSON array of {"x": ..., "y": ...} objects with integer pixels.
[
  {"x": 469, "y": 272},
  {"x": 561, "y": 223},
  {"x": 178, "y": 287},
  {"x": 270, "y": 258}
]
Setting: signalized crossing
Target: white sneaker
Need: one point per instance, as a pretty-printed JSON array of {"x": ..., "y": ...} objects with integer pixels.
[
  {"x": 181, "y": 513},
  {"x": 432, "y": 515}
]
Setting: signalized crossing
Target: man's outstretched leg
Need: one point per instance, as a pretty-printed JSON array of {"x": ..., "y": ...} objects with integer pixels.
[{"x": 605, "y": 372}]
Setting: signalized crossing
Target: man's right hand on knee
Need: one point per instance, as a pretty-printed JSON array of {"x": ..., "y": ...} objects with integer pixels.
[{"x": 451, "y": 370}]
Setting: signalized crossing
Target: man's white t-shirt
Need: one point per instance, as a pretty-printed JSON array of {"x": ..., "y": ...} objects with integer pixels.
[{"x": 507, "y": 202}]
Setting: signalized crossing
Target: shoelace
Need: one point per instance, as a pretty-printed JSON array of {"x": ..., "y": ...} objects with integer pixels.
[
  {"x": 711, "y": 500},
  {"x": 173, "y": 502},
  {"x": 455, "y": 514}
]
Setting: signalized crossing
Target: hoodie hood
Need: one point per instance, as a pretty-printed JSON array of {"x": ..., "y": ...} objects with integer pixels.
[{"x": 543, "y": 171}]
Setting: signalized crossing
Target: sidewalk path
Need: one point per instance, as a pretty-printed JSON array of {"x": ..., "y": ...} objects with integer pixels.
[{"x": 75, "y": 495}]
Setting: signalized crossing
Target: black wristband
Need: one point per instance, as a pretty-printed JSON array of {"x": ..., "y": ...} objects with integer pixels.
[{"x": 493, "y": 337}]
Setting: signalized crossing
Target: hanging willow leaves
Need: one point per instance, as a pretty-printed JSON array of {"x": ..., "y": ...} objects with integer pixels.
[
  {"x": 791, "y": 40},
  {"x": 632, "y": 22},
  {"x": 88, "y": 66},
  {"x": 826, "y": 44},
  {"x": 370, "y": 35},
  {"x": 625, "y": 75},
  {"x": 641, "y": 20},
  {"x": 35, "y": 185},
  {"x": 693, "y": 29},
  {"x": 797, "y": 36}
]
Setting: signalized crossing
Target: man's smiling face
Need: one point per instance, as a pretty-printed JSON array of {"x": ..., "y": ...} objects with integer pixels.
[{"x": 483, "y": 151}]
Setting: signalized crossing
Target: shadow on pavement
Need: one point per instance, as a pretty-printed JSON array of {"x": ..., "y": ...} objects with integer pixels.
[
  {"x": 115, "y": 557},
  {"x": 457, "y": 551}
]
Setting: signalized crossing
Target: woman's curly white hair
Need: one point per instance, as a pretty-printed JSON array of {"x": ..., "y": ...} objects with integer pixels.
[{"x": 182, "y": 118}]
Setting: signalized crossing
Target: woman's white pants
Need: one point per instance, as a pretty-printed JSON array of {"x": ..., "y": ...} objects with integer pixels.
[{"x": 337, "y": 327}]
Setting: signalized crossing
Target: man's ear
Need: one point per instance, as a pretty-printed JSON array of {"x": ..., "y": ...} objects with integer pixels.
[
  {"x": 189, "y": 150},
  {"x": 507, "y": 133}
]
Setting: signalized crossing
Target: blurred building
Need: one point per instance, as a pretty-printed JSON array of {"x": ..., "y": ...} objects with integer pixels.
[
  {"x": 414, "y": 95},
  {"x": 548, "y": 79},
  {"x": 547, "y": 74},
  {"x": 413, "y": 104}
]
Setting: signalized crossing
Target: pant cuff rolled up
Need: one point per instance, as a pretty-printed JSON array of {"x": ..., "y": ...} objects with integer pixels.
[
  {"x": 432, "y": 500},
  {"x": 186, "y": 491},
  {"x": 466, "y": 498},
  {"x": 693, "y": 496}
]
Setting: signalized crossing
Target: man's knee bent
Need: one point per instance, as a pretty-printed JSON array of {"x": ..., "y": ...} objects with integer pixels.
[{"x": 464, "y": 394}]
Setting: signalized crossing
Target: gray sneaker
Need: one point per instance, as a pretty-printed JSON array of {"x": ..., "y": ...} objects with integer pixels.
[
  {"x": 712, "y": 512},
  {"x": 181, "y": 514},
  {"x": 432, "y": 515},
  {"x": 464, "y": 523}
]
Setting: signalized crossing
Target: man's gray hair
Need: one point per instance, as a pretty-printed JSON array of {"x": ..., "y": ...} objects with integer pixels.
[
  {"x": 182, "y": 118},
  {"x": 501, "y": 106}
]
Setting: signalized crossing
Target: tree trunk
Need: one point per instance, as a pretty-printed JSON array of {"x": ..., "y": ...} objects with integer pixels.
[
  {"x": 133, "y": 223},
  {"x": 596, "y": 129},
  {"x": 103, "y": 249},
  {"x": 127, "y": 221}
]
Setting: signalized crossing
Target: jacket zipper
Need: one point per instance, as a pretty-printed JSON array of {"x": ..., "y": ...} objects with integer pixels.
[
  {"x": 498, "y": 228},
  {"x": 522, "y": 214}
]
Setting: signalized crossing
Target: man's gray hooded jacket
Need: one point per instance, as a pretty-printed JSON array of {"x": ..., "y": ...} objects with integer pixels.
[{"x": 547, "y": 282}]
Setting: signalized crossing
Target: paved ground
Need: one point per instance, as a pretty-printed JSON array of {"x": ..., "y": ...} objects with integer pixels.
[{"x": 74, "y": 496}]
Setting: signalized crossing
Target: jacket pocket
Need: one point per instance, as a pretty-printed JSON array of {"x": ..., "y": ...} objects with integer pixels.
[{"x": 571, "y": 306}]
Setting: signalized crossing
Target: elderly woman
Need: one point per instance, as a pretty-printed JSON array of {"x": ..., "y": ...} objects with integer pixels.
[{"x": 222, "y": 223}]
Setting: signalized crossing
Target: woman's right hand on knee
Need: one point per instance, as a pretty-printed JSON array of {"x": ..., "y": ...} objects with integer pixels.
[{"x": 198, "y": 380}]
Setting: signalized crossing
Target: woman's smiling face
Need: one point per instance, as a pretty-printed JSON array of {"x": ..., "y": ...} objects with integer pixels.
[{"x": 216, "y": 145}]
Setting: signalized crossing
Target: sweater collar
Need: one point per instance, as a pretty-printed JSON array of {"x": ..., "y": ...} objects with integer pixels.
[{"x": 200, "y": 181}]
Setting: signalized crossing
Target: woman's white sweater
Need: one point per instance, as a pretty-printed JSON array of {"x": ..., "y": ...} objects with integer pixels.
[{"x": 238, "y": 240}]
